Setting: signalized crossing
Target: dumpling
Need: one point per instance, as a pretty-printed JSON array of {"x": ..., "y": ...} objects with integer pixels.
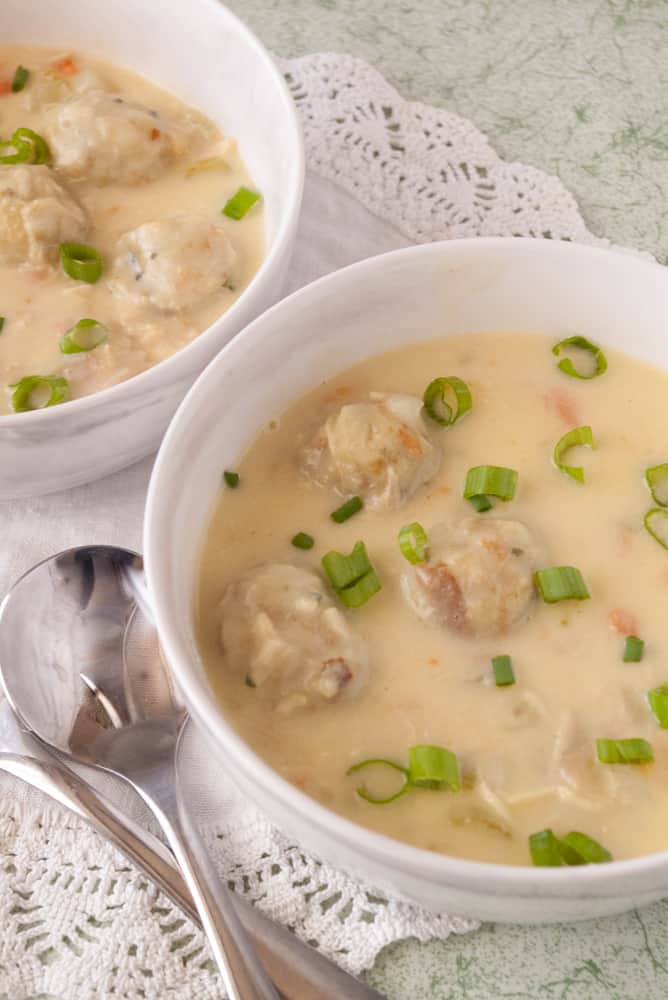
[
  {"x": 172, "y": 263},
  {"x": 36, "y": 215},
  {"x": 478, "y": 577},
  {"x": 282, "y": 633},
  {"x": 381, "y": 450},
  {"x": 103, "y": 138}
]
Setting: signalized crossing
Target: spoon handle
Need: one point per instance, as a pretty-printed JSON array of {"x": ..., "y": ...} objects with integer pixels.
[{"x": 299, "y": 971}]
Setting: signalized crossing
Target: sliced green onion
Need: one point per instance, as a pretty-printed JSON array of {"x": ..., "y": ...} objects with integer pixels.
[
  {"x": 250, "y": 682},
  {"x": 658, "y": 702},
  {"x": 211, "y": 163},
  {"x": 656, "y": 523},
  {"x": 633, "y": 649},
  {"x": 240, "y": 203},
  {"x": 561, "y": 583},
  {"x": 352, "y": 577},
  {"x": 303, "y": 541},
  {"x": 36, "y": 392},
  {"x": 633, "y": 751},
  {"x": 578, "y": 436},
  {"x": 480, "y": 503},
  {"x": 656, "y": 478},
  {"x": 503, "y": 671},
  {"x": 28, "y": 146},
  {"x": 19, "y": 79},
  {"x": 2, "y": 323},
  {"x": 436, "y": 405},
  {"x": 490, "y": 480},
  {"x": 346, "y": 510},
  {"x": 81, "y": 262},
  {"x": 413, "y": 542},
  {"x": 567, "y": 366},
  {"x": 231, "y": 478},
  {"x": 579, "y": 849},
  {"x": 380, "y": 762},
  {"x": 434, "y": 767},
  {"x": 85, "y": 335},
  {"x": 544, "y": 849}
]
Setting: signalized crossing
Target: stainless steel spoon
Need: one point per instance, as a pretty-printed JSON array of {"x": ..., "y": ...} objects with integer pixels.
[
  {"x": 299, "y": 971},
  {"x": 81, "y": 668}
]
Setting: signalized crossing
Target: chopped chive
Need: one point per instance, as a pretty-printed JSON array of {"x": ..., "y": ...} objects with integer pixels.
[
  {"x": 84, "y": 336},
  {"x": 240, "y": 203},
  {"x": 581, "y": 343},
  {"x": 231, "y": 479},
  {"x": 19, "y": 79},
  {"x": 503, "y": 671},
  {"x": 579, "y": 849},
  {"x": 480, "y": 503},
  {"x": 436, "y": 405},
  {"x": 633, "y": 751},
  {"x": 573, "y": 438},
  {"x": 434, "y": 767},
  {"x": 352, "y": 577},
  {"x": 656, "y": 523},
  {"x": 656, "y": 478},
  {"x": 250, "y": 682},
  {"x": 490, "y": 480},
  {"x": 658, "y": 702},
  {"x": 413, "y": 543},
  {"x": 2, "y": 323},
  {"x": 380, "y": 762},
  {"x": 81, "y": 262},
  {"x": 561, "y": 583},
  {"x": 633, "y": 649},
  {"x": 36, "y": 392},
  {"x": 544, "y": 850},
  {"x": 303, "y": 541},
  {"x": 346, "y": 510}
]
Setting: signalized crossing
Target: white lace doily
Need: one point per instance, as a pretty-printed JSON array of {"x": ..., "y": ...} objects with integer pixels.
[{"x": 77, "y": 921}]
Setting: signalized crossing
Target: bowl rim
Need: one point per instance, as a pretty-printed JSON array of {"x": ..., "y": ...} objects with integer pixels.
[
  {"x": 142, "y": 380},
  {"x": 483, "y": 877}
]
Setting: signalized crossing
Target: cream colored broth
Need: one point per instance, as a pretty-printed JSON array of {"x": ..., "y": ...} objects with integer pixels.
[
  {"x": 533, "y": 743},
  {"x": 40, "y": 303}
]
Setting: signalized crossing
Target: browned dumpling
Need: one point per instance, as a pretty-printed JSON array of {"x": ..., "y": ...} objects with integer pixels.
[
  {"x": 36, "y": 214},
  {"x": 381, "y": 449},
  {"x": 281, "y": 633},
  {"x": 101, "y": 137},
  {"x": 172, "y": 263},
  {"x": 478, "y": 577}
]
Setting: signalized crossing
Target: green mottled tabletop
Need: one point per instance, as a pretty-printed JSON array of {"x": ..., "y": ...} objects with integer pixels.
[{"x": 578, "y": 88}]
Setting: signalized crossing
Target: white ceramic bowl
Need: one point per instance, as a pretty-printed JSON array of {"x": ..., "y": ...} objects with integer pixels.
[
  {"x": 199, "y": 50},
  {"x": 402, "y": 297}
]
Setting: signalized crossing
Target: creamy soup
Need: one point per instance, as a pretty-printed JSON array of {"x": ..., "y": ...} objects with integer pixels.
[
  {"x": 316, "y": 686},
  {"x": 112, "y": 162}
]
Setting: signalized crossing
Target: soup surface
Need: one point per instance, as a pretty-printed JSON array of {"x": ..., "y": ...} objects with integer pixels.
[
  {"x": 141, "y": 178},
  {"x": 412, "y": 666}
]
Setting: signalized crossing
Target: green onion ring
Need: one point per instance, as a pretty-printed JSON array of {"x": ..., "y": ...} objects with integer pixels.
[
  {"x": 28, "y": 146},
  {"x": 579, "y": 849},
  {"x": 561, "y": 583},
  {"x": 434, "y": 767},
  {"x": 59, "y": 389},
  {"x": 413, "y": 543},
  {"x": 303, "y": 541},
  {"x": 480, "y": 503},
  {"x": 84, "y": 336},
  {"x": 376, "y": 762},
  {"x": 567, "y": 366},
  {"x": 240, "y": 203},
  {"x": 19, "y": 79},
  {"x": 346, "y": 510},
  {"x": 81, "y": 262},
  {"x": 656, "y": 478},
  {"x": 232, "y": 479},
  {"x": 656, "y": 523},
  {"x": 544, "y": 849},
  {"x": 633, "y": 649},
  {"x": 630, "y": 751},
  {"x": 577, "y": 436},
  {"x": 490, "y": 480},
  {"x": 504, "y": 675},
  {"x": 438, "y": 408},
  {"x": 657, "y": 699}
]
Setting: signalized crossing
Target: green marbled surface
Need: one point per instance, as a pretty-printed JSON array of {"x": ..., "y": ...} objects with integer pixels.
[{"x": 578, "y": 89}]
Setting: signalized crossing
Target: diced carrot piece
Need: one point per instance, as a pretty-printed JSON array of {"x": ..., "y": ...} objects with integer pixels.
[
  {"x": 155, "y": 134},
  {"x": 562, "y": 402},
  {"x": 410, "y": 441},
  {"x": 623, "y": 622},
  {"x": 66, "y": 66}
]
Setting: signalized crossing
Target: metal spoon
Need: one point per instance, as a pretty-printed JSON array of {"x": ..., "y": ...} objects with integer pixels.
[{"x": 80, "y": 666}]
